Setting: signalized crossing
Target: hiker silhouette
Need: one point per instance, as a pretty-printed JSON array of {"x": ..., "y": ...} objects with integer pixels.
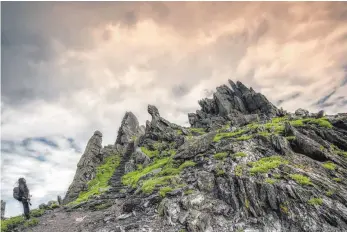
[{"x": 21, "y": 193}]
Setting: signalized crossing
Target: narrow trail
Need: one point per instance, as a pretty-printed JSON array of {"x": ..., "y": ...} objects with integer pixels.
[{"x": 116, "y": 180}]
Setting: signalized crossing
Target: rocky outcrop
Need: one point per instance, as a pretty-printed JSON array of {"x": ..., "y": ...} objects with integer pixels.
[
  {"x": 129, "y": 129},
  {"x": 3, "y": 208},
  {"x": 159, "y": 128},
  {"x": 245, "y": 171},
  {"x": 228, "y": 102},
  {"x": 86, "y": 167}
]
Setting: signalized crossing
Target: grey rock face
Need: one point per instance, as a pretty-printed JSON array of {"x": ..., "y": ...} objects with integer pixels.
[
  {"x": 129, "y": 129},
  {"x": 86, "y": 167},
  {"x": 159, "y": 128},
  {"x": 320, "y": 114},
  {"x": 3, "y": 208},
  {"x": 195, "y": 146},
  {"x": 302, "y": 112},
  {"x": 226, "y": 101}
]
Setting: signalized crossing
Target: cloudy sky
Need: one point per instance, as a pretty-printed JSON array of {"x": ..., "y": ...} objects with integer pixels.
[{"x": 70, "y": 68}]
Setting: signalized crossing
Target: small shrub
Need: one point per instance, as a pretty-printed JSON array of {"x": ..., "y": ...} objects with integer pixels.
[
  {"x": 11, "y": 223},
  {"x": 31, "y": 222},
  {"x": 284, "y": 208},
  {"x": 329, "y": 165},
  {"x": 238, "y": 170},
  {"x": 221, "y": 155},
  {"x": 37, "y": 212},
  {"x": 264, "y": 165},
  {"x": 165, "y": 190},
  {"x": 315, "y": 201},
  {"x": 300, "y": 179}
]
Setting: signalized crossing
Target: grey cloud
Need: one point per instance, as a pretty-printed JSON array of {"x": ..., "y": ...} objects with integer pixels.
[
  {"x": 323, "y": 100},
  {"x": 288, "y": 98}
]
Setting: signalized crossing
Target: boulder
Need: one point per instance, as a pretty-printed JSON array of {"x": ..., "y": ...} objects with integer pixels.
[
  {"x": 129, "y": 129},
  {"x": 302, "y": 112}
]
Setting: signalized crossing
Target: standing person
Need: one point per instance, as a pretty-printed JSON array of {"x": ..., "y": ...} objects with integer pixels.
[{"x": 21, "y": 193}]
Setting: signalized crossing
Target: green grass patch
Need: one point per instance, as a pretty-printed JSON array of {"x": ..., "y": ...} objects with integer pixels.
[
  {"x": 253, "y": 126},
  {"x": 244, "y": 137},
  {"x": 276, "y": 127},
  {"x": 315, "y": 201},
  {"x": 187, "y": 164},
  {"x": 223, "y": 135},
  {"x": 103, "y": 174},
  {"x": 300, "y": 179},
  {"x": 264, "y": 133},
  {"x": 11, "y": 223},
  {"x": 150, "y": 184},
  {"x": 329, "y": 165},
  {"x": 329, "y": 193},
  {"x": 277, "y": 176},
  {"x": 164, "y": 190},
  {"x": 178, "y": 132},
  {"x": 132, "y": 178},
  {"x": 220, "y": 172},
  {"x": 264, "y": 165},
  {"x": 32, "y": 222},
  {"x": 323, "y": 122},
  {"x": 247, "y": 203},
  {"x": 290, "y": 138},
  {"x": 238, "y": 170},
  {"x": 197, "y": 130},
  {"x": 103, "y": 206},
  {"x": 150, "y": 153},
  {"x": 270, "y": 180},
  {"x": 239, "y": 155},
  {"x": 342, "y": 153},
  {"x": 279, "y": 119},
  {"x": 37, "y": 212},
  {"x": 297, "y": 123},
  {"x": 221, "y": 155},
  {"x": 284, "y": 208},
  {"x": 189, "y": 191}
]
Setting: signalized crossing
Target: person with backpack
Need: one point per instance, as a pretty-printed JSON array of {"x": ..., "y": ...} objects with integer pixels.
[{"x": 21, "y": 193}]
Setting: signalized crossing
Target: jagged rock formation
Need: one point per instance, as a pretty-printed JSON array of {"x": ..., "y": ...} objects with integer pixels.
[
  {"x": 3, "y": 208},
  {"x": 239, "y": 168},
  {"x": 228, "y": 103},
  {"x": 86, "y": 167},
  {"x": 129, "y": 129}
]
